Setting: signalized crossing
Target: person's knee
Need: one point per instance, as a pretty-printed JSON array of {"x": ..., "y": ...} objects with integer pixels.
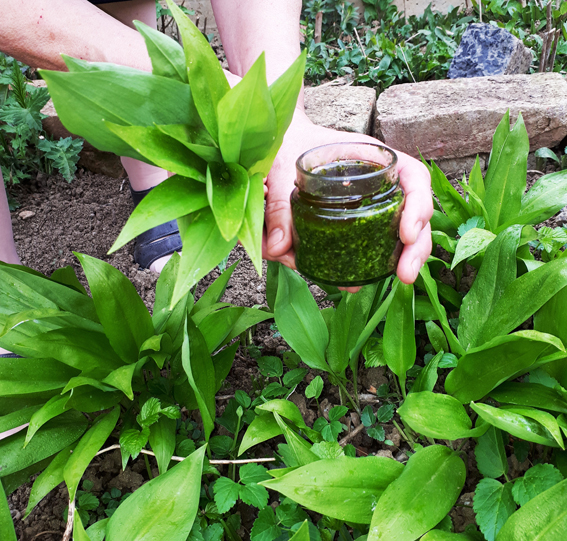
[{"x": 132, "y": 10}]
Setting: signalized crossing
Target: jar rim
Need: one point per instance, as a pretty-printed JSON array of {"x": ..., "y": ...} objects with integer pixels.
[{"x": 386, "y": 169}]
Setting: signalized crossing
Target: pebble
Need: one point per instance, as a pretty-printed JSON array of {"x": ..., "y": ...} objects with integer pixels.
[{"x": 26, "y": 214}]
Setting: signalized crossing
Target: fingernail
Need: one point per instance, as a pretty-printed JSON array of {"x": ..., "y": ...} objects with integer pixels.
[
  {"x": 417, "y": 230},
  {"x": 276, "y": 236},
  {"x": 416, "y": 266}
]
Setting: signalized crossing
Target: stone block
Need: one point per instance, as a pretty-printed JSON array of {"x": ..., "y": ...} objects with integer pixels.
[
  {"x": 97, "y": 161},
  {"x": 488, "y": 50},
  {"x": 346, "y": 108},
  {"x": 456, "y": 118}
]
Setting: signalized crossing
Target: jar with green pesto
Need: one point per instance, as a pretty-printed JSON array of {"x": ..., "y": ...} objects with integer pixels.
[{"x": 346, "y": 210}]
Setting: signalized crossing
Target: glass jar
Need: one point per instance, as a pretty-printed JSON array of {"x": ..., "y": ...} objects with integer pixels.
[{"x": 346, "y": 210}]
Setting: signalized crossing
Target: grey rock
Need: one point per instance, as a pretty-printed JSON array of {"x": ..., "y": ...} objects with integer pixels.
[
  {"x": 345, "y": 108},
  {"x": 488, "y": 50},
  {"x": 456, "y": 167},
  {"x": 456, "y": 118}
]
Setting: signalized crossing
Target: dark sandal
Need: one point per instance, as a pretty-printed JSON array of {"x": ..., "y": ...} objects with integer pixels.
[
  {"x": 10, "y": 356},
  {"x": 158, "y": 241}
]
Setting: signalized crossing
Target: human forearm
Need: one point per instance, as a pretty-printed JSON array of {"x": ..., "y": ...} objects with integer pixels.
[{"x": 38, "y": 32}]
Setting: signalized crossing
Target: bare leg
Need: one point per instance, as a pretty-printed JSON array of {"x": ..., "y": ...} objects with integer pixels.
[{"x": 141, "y": 175}]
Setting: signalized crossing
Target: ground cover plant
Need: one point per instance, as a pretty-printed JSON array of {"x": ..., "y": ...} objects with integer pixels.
[{"x": 471, "y": 363}]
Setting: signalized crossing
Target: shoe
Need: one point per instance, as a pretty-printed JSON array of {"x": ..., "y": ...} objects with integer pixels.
[
  {"x": 10, "y": 356},
  {"x": 158, "y": 241}
]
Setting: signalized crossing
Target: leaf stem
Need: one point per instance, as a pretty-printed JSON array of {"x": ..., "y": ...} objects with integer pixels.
[
  {"x": 148, "y": 468},
  {"x": 404, "y": 435},
  {"x": 347, "y": 394}
]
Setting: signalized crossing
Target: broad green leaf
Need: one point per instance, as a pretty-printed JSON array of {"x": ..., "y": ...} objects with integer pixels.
[
  {"x": 399, "y": 332},
  {"x": 51, "y": 477},
  {"x": 162, "y": 441},
  {"x": 493, "y": 504},
  {"x": 254, "y": 495},
  {"x": 420, "y": 497},
  {"x": 7, "y": 530},
  {"x": 249, "y": 318},
  {"x": 226, "y": 492},
  {"x": 471, "y": 243},
  {"x": 536, "y": 480},
  {"x": 533, "y": 395},
  {"x": 343, "y": 488},
  {"x": 445, "y": 241},
  {"x": 302, "y": 534},
  {"x": 544, "y": 518},
  {"x": 483, "y": 368},
  {"x": 165, "y": 53},
  {"x": 440, "y": 535},
  {"x": 476, "y": 183},
  {"x": 262, "y": 428},
  {"x": 196, "y": 139},
  {"x": 53, "y": 408},
  {"x": 85, "y": 100},
  {"x": 441, "y": 222},
  {"x": 79, "y": 533},
  {"x": 203, "y": 248},
  {"x": 126, "y": 320},
  {"x": 161, "y": 150},
  {"x": 14, "y": 481},
  {"x": 455, "y": 207},
  {"x": 17, "y": 418},
  {"x": 206, "y": 78},
  {"x": 298, "y": 447},
  {"x": 250, "y": 234},
  {"x": 436, "y": 336},
  {"x": 542, "y": 417},
  {"x": 227, "y": 191},
  {"x": 424, "y": 310},
  {"x": 215, "y": 291},
  {"x": 284, "y": 93},
  {"x": 348, "y": 322},
  {"x": 299, "y": 320},
  {"x": 432, "y": 292},
  {"x": 247, "y": 119},
  {"x": 148, "y": 514},
  {"x": 77, "y": 348},
  {"x": 498, "y": 270},
  {"x": 50, "y": 439},
  {"x": 222, "y": 362},
  {"x": 122, "y": 377},
  {"x": 200, "y": 372},
  {"x": 86, "y": 449},
  {"x": 98, "y": 530},
  {"x": 437, "y": 416},
  {"x": 516, "y": 424},
  {"x": 217, "y": 326},
  {"x": 173, "y": 198},
  {"x": 88, "y": 399},
  {"x": 506, "y": 176},
  {"x": 286, "y": 409},
  {"x": 427, "y": 378},
  {"x": 265, "y": 527},
  {"x": 15, "y": 403},
  {"x": 490, "y": 454},
  {"x": 544, "y": 199}
]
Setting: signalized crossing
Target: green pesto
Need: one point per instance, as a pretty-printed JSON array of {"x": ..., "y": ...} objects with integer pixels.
[{"x": 349, "y": 247}]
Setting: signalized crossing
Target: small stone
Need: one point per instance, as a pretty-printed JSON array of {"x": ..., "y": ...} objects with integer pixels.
[
  {"x": 26, "y": 214},
  {"x": 393, "y": 435},
  {"x": 401, "y": 456},
  {"x": 385, "y": 452},
  {"x": 561, "y": 218}
]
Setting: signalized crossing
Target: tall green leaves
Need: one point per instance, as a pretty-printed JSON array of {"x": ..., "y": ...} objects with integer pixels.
[{"x": 7, "y": 531}]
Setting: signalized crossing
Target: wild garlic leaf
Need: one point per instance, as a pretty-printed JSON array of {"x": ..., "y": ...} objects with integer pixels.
[
  {"x": 493, "y": 504},
  {"x": 535, "y": 481},
  {"x": 490, "y": 454},
  {"x": 225, "y": 493},
  {"x": 471, "y": 223},
  {"x": 315, "y": 388}
]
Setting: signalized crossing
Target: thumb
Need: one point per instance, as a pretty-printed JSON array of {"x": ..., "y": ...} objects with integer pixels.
[{"x": 278, "y": 220}]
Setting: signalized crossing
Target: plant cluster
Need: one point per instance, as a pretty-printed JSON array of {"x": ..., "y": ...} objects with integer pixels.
[
  {"x": 25, "y": 148},
  {"x": 384, "y": 48}
]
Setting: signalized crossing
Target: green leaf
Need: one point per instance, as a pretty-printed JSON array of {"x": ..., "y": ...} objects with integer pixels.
[
  {"x": 79, "y": 533},
  {"x": 315, "y": 388},
  {"x": 483, "y": 368},
  {"x": 173, "y": 198},
  {"x": 85, "y": 99},
  {"x": 420, "y": 497},
  {"x": 505, "y": 179},
  {"x": 544, "y": 518},
  {"x": 536, "y": 480},
  {"x": 262, "y": 428},
  {"x": 7, "y": 530},
  {"x": 530, "y": 394},
  {"x": 490, "y": 454},
  {"x": 476, "y": 183},
  {"x": 86, "y": 449},
  {"x": 49, "y": 440},
  {"x": 51, "y": 409},
  {"x": 200, "y": 372},
  {"x": 162, "y": 441},
  {"x": 542, "y": 417},
  {"x": 218, "y": 325},
  {"x": 437, "y": 416},
  {"x": 265, "y": 526},
  {"x": 516, "y": 424},
  {"x": 126, "y": 320},
  {"x": 203, "y": 249},
  {"x": 226, "y": 493},
  {"x": 471, "y": 223},
  {"x": 206, "y": 78},
  {"x": 149, "y": 514},
  {"x": 298, "y": 447},
  {"x": 49, "y": 479},
  {"x": 439, "y": 535},
  {"x": 344, "y": 488},
  {"x": 247, "y": 119},
  {"x": 255, "y": 495},
  {"x": 493, "y": 504},
  {"x": 98, "y": 530},
  {"x": 270, "y": 367},
  {"x": 165, "y": 53},
  {"x": 445, "y": 241},
  {"x": 427, "y": 378},
  {"x": 132, "y": 441},
  {"x": 436, "y": 337},
  {"x": 284, "y": 93},
  {"x": 471, "y": 243},
  {"x": 253, "y": 473},
  {"x": 227, "y": 191},
  {"x": 302, "y": 534},
  {"x": 195, "y": 138},
  {"x": 399, "y": 332},
  {"x": 299, "y": 320},
  {"x": 545, "y": 152},
  {"x": 250, "y": 234},
  {"x": 441, "y": 222},
  {"x": 215, "y": 291}
]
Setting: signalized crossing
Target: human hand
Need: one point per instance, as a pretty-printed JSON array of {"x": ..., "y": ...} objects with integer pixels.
[{"x": 415, "y": 231}]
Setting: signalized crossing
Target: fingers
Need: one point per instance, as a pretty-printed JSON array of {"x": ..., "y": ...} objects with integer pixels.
[
  {"x": 418, "y": 209},
  {"x": 414, "y": 256}
]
